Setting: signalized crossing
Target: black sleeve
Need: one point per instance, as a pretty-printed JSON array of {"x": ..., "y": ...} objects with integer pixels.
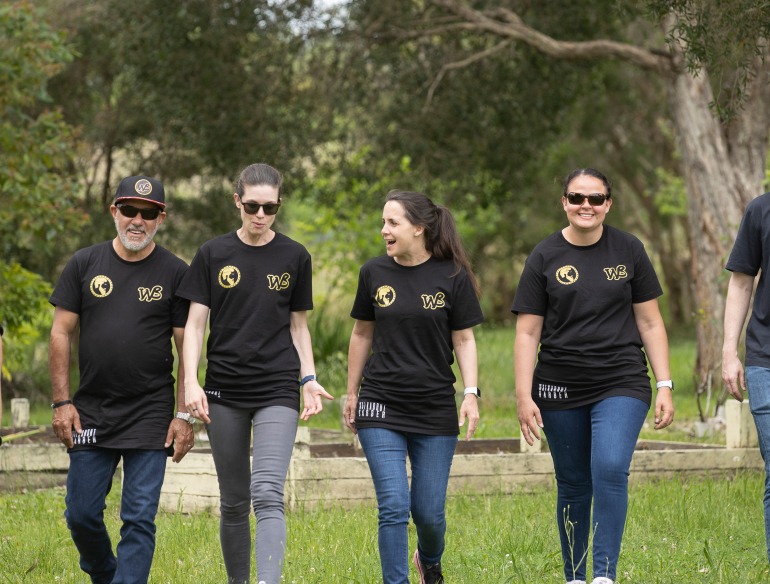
[
  {"x": 180, "y": 307},
  {"x": 302, "y": 295},
  {"x": 466, "y": 311},
  {"x": 746, "y": 256},
  {"x": 644, "y": 285},
  {"x": 67, "y": 293},
  {"x": 362, "y": 305},
  {"x": 196, "y": 284},
  {"x": 531, "y": 296}
]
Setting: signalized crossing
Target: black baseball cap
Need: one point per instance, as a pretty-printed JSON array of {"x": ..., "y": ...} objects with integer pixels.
[{"x": 141, "y": 187}]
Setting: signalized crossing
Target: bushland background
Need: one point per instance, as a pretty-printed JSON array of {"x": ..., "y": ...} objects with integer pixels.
[{"x": 483, "y": 105}]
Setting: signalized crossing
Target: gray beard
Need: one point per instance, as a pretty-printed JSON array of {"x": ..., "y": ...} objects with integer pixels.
[{"x": 131, "y": 246}]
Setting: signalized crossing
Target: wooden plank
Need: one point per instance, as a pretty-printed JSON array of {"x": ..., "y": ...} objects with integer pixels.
[
  {"x": 34, "y": 457},
  {"x": 347, "y": 481}
]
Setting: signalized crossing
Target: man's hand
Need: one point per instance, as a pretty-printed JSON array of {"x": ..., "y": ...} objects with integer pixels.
[
  {"x": 181, "y": 432},
  {"x": 64, "y": 419},
  {"x": 732, "y": 375}
]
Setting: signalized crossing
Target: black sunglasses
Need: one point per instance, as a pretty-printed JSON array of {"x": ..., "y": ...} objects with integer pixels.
[
  {"x": 594, "y": 199},
  {"x": 131, "y": 212},
  {"x": 253, "y": 208}
]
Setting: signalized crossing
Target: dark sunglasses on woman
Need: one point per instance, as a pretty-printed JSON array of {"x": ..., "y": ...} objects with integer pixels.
[
  {"x": 131, "y": 212},
  {"x": 253, "y": 208},
  {"x": 594, "y": 199}
]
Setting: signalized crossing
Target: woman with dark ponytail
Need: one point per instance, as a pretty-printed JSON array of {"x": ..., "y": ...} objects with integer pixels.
[{"x": 414, "y": 307}]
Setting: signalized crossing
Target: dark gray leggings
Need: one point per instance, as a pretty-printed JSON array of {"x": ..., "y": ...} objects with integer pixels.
[{"x": 274, "y": 428}]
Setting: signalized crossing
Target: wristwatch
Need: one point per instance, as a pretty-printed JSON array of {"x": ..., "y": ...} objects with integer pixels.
[
  {"x": 474, "y": 390},
  {"x": 306, "y": 379},
  {"x": 186, "y": 417},
  {"x": 668, "y": 383}
]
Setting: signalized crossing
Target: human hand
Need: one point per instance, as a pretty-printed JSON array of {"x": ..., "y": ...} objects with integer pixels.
[
  {"x": 312, "y": 392},
  {"x": 664, "y": 408},
  {"x": 350, "y": 412},
  {"x": 732, "y": 374},
  {"x": 64, "y": 419},
  {"x": 196, "y": 402},
  {"x": 470, "y": 409},
  {"x": 182, "y": 433},
  {"x": 529, "y": 413}
]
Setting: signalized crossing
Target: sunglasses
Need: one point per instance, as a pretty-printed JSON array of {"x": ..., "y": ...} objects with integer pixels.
[
  {"x": 594, "y": 199},
  {"x": 253, "y": 208},
  {"x": 131, "y": 212}
]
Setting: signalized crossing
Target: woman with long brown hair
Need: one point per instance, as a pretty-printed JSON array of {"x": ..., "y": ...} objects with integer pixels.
[{"x": 414, "y": 307}]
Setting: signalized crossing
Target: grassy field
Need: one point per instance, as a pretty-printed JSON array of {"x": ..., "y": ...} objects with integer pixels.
[
  {"x": 700, "y": 531},
  {"x": 498, "y": 406}
]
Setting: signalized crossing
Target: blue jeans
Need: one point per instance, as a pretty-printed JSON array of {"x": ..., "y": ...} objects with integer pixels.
[
  {"x": 431, "y": 460},
  {"x": 89, "y": 480},
  {"x": 758, "y": 384},
  {"x": 592, "y": 448}
]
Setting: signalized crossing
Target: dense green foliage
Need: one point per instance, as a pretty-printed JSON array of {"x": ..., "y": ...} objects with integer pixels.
[
  {"x": 37, "y": 182},
  {"x": 705, "y": 532}
]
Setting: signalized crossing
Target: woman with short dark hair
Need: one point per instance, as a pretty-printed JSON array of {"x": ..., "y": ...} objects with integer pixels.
[
  {"x": 414, "y": 307},
  {"x": 257, "y": 285},
  {"x": 588, "y": 297}
]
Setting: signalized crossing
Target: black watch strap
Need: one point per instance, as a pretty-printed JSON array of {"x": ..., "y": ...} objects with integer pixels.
[{"x": 61, "y": 403}]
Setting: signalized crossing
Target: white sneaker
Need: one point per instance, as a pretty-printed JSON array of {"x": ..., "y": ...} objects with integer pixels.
[
  {"x": 576, "y": 582},
  {"x": 601, "y": 580}
]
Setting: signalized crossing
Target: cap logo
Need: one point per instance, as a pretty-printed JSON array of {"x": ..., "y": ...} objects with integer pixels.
[{"x": 143, "y": 187}]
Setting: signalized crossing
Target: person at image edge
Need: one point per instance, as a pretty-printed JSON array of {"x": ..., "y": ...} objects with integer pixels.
[
  {"x": 750, "y": 256},
  {"x": 122, "y": 294}
]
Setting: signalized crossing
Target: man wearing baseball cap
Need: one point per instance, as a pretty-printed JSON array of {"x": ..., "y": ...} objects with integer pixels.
[{"x": 123, "y": 294}]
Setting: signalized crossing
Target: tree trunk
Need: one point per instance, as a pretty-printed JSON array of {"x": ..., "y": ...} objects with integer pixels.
[{"x": 722, "y": 173}]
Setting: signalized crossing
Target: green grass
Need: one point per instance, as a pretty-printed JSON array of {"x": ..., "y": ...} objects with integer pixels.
[
  {"x": 708, "y": 531},
  {"x": 498, "y": 405}
]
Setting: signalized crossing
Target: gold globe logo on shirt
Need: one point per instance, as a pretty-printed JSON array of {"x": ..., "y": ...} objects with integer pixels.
[
  {"x": 567, "y": 275},
  {"x": 229, "y": 276},
  {"x": 101, "y": 286},
  {"x": 143, "y": 187},
  {"x": 385, "y": 296}
]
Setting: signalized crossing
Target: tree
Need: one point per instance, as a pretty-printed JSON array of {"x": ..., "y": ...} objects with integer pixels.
[
  {"x": 723, "y": 138},
  {"x": 36, "y": 171}
]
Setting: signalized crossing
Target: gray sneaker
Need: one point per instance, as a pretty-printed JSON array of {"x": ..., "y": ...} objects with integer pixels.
[{"x": 428, "y": 574}]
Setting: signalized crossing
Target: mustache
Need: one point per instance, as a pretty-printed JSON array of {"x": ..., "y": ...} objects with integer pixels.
[{"x": 142, "y": 229}]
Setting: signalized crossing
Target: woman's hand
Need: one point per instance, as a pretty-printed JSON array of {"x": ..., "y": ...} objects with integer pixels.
[
  {"x": 350, "y": 412},
  {"x": 470, "y": 409},
  {"x": 664, "y": 408},
  {"x": 311, "y": 398},
  {"x": 195, "y": 401},
  {"x": 528, "y": 414}
]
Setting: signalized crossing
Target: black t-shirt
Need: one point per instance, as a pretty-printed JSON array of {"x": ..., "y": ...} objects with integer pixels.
[
  {"x": 590, "y": 347},
  {"x": 408, "y": 381},
  {"x": 127, "y": 314},
  {"x": 251, "y": 291},
  {"x": 751, "y": 253}
]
